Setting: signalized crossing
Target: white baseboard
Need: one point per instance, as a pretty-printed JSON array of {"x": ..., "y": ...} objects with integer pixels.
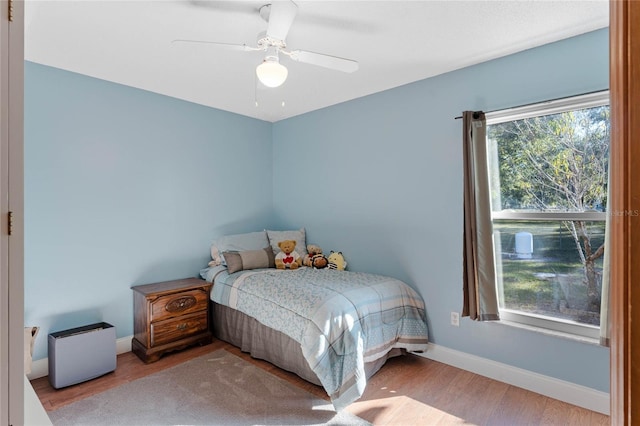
[
  {"x": 561, "y": 390},
  {"x": 568, "y": 392},
  {"x": 40, "y": 367}
]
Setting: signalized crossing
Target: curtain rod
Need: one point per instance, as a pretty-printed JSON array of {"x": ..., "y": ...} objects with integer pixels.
[{"x": 540, "y": 102}]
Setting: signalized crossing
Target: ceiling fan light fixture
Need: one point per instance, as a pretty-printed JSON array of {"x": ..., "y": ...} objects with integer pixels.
[{"x": 271, "y": 73}]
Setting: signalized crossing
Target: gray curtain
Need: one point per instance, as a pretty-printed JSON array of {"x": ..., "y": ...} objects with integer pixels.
[
  {"x": 479, "y": 280},
  {"x": 605, "y": 327}
]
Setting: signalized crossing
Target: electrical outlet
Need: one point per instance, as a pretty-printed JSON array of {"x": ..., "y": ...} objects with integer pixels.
[{"x": 455, "y": 319}]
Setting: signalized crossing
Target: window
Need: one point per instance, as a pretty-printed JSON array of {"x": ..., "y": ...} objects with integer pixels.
[{"x": 548, "y": 166}]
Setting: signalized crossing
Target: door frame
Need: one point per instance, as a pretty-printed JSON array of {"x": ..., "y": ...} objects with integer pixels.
[
  {"x": 624, "y": 64},
  {"x": 11, "y": 200}
]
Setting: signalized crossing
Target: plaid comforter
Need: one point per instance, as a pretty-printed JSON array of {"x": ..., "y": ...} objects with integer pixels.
[{"x": 341, "y": 319}]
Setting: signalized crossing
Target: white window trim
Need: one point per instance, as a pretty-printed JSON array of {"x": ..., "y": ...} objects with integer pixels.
[
  {"x": 590, "y": 100},
  {"x": 550, "y": 323},
  {"x": 541, "y": 322},
  {"x": 548, "y": 216}
]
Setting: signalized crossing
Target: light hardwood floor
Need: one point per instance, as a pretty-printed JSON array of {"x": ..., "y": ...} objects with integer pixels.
[{"x": 408, "y": 390}]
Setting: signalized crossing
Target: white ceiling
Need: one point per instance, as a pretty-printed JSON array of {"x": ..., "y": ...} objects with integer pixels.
[{"x": 395, "y": 42}]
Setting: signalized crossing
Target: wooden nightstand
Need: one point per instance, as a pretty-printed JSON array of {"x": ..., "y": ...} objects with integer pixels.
[{"x": 169, "y": 316}]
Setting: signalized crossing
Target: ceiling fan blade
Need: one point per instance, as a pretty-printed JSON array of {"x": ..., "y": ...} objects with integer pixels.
[
  {"x": 281, "y": 16},
  {"x": 227, "y": 46},
  {"x": 327, "y": 61}
]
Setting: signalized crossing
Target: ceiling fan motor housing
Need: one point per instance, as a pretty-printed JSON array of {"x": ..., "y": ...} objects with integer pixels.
[{"x": 264, "y": 41}]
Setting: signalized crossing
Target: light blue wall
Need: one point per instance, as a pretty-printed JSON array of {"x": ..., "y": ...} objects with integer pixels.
[
  {"x": 126, "y": 187},
  {"x": 380, "y": 179}
]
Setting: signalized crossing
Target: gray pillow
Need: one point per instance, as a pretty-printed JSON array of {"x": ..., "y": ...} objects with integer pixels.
[{"x": 249, "y": 259}]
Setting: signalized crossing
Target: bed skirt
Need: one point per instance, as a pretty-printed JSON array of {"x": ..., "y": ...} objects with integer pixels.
[{"x": 265, "y": 343}]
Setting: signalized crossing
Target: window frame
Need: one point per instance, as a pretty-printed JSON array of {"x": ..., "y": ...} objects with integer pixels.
[{"x": 589, "y": 100}]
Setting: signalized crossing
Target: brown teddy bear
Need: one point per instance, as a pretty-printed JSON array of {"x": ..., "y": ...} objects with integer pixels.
[
  {"x": 315, "y": 258},
  {"x": 312, "y": 250},
  {"x": 288, "y": 257}
]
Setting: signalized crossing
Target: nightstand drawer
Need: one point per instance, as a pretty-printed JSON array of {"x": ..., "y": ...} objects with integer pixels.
[
  {"x": 178, "y": 328},
  {"x": 174, "y": 305}
]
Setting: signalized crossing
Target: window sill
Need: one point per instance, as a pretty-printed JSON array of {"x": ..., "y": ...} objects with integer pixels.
[{"x": 549, "y": 332}]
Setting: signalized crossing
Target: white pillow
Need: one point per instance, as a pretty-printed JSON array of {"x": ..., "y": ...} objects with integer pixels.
[
  {"x": 298, "y": 236},
  {"x": 237, "y": 242}
]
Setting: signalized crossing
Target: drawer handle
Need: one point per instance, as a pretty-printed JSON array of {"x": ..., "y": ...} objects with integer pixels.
[
  {"x": 180, "y": 304},
  {"x": 182, "y": 326}
]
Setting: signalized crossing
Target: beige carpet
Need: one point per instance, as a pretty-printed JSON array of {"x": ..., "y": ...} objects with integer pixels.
[{"x": 215, "y": 389}]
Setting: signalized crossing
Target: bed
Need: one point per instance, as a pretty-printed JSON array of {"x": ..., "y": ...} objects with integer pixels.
[{"x": 332, "y": 328}]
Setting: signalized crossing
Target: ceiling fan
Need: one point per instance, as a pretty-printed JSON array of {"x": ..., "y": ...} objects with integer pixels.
[{"x": 279, "y": 16}]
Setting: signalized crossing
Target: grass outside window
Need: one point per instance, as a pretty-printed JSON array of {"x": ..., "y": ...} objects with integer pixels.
[{"x": 551, "y": 282}]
